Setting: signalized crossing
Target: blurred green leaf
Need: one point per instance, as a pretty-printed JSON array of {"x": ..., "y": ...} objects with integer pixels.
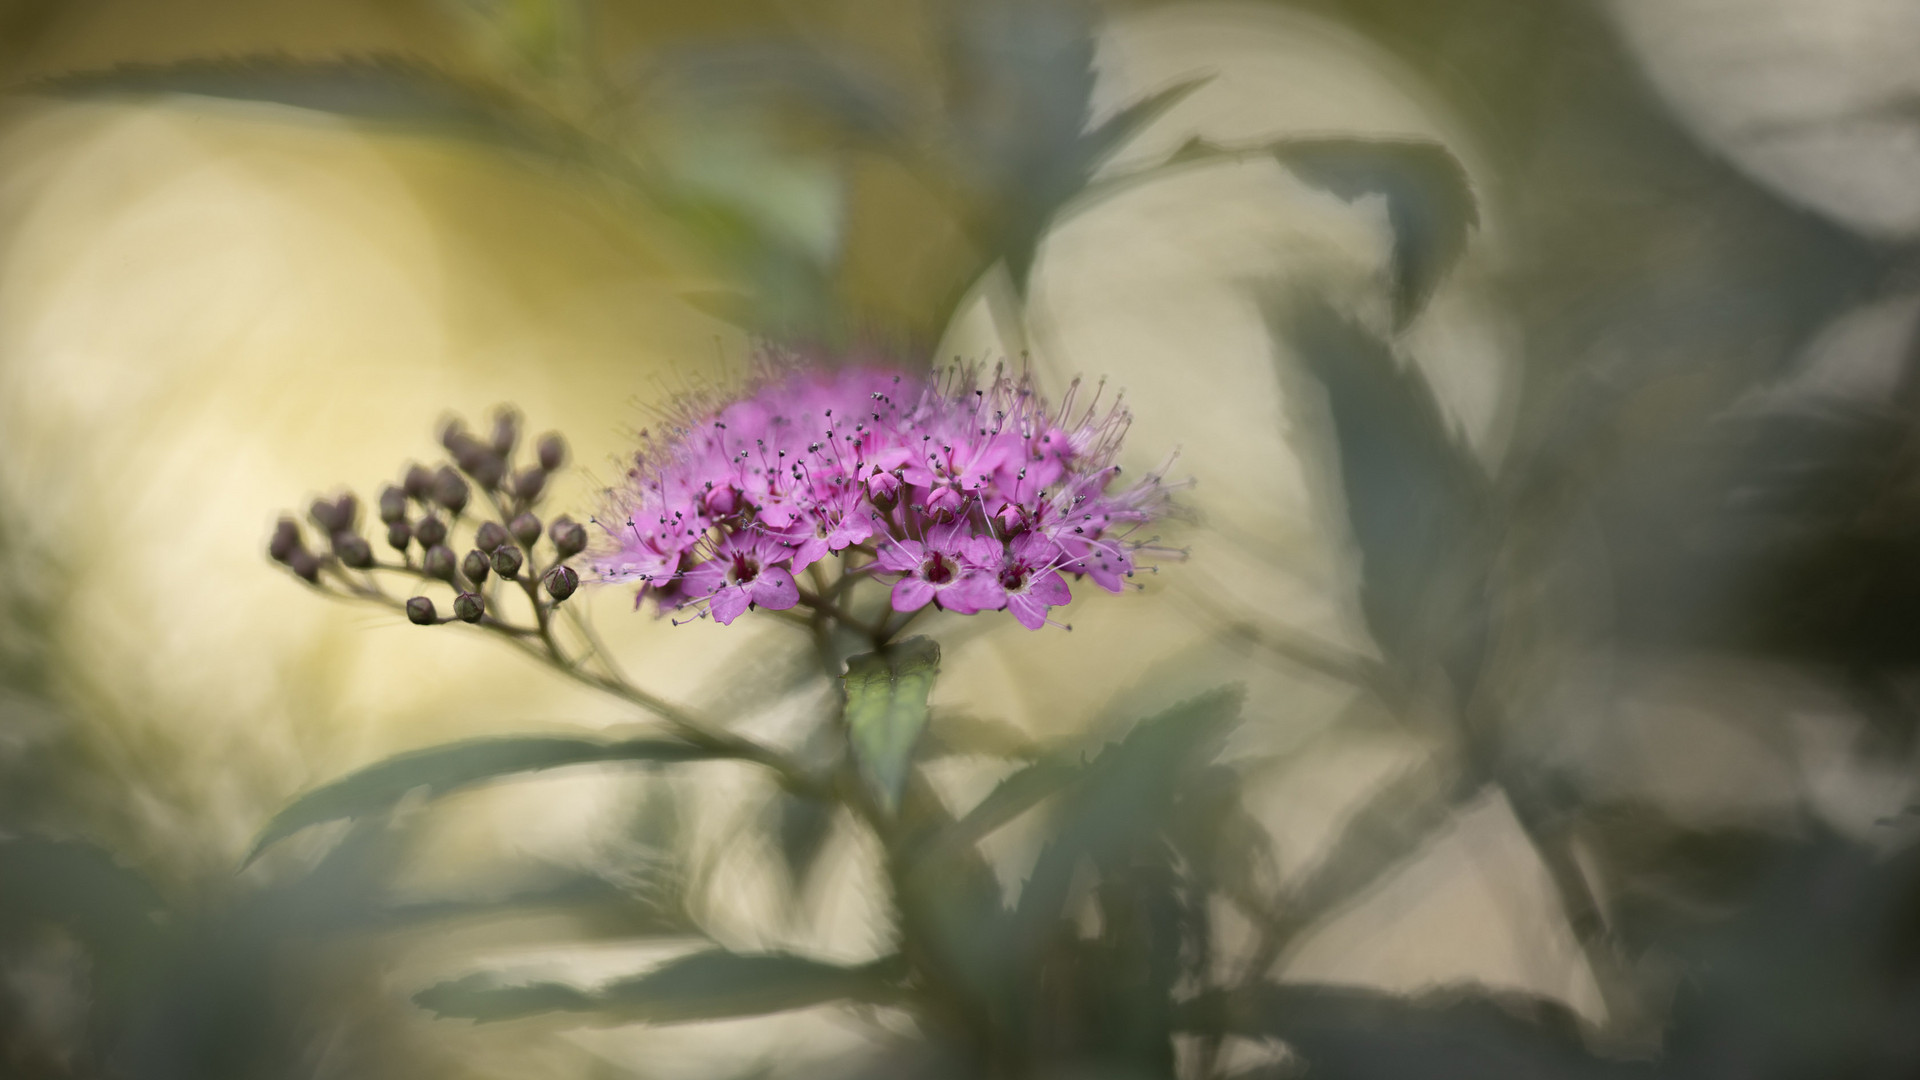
[
  {"x": 1123, "y": 794},
  {"x": 79, "y": 886},
  {"x": 887, "y": 709},
  {"x": 801, "y": 826},
  {"x": 1456, "y": 1034},
  {"x": 710, "y": 985},
  {"x": 1430, "y": 202},
  {"x": 1416, "y": 498},
  {"x": 382, "y": 89},
  {"x": 376, "y": 788},
  {"x": 1019, "y": 103}
]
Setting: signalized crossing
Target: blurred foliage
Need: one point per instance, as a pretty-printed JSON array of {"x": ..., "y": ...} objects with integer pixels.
[{"x": 1663, "y": 298}]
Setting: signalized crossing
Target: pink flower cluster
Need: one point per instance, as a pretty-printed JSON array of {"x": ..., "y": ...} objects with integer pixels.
[{"x": 969, "y": 497}]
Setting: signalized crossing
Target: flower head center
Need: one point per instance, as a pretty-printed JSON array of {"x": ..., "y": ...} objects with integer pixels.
[
  {"x": 938, "y": 570},
  {"x": 743, "y": 569}
]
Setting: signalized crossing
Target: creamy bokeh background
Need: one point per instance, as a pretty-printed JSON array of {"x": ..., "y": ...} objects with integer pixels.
[{"x": 211, "y": 312}]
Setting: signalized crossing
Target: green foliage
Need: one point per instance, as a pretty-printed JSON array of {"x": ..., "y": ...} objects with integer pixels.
[
  {"x": 1417, "y": 501},
  {"x": 709, "y": 985},
  {"x": 1357, "y": 1034},
  {"x": 378, "y": 787},
  {"x": 886, "y": 711}
]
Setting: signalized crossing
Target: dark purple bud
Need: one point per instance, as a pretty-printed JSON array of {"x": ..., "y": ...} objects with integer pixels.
[
  {"x": 418, "y": 482},
  {"x": 506, "y": 431},
  {"x": 353, "y": 550},
  {"x": 398, "y": 534},
  {"x": 326, "y": 514},
  {"x": 393, "y": 504},
  {"x": 286, "y": 540},
  {"x": 476, "y": 566},
  {"x": 469, "y": 607},
  {"x": 439, "y": 562},
  {"x": 561, "y": 581},
  {"x": 552, "y": 450},
  {"x": 346, "y": 509},
  {"x": 507, "y": 560},
  {"x": 569, "y": 536},
  {"x": 452, "y": 433},
  {"x": 526, "y": 529},
  {"x": 420, "y": 610},
  {"x": 490, "y": 535},
  {"x": 306, "y": 564},
  {"x": 529, "y": 483},
  {"x": 431, "y": 530},
  {"x": 449, "y": 490}
]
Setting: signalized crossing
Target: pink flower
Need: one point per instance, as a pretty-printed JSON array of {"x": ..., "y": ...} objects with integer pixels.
[
  {"x": 1030, "y": 581},
  {"x": 915, "y": 479},
  {"x": 745, "y": 570},
  {"x": 953, "y": 568}
]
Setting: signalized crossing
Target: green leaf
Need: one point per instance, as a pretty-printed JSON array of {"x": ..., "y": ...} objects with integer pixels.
[
  {"x": 112, "y": 908},
  {"x": 380, "y": 89},
  {"x": 887, "y": 709},
  {"x": 1360, "y": 1034},
  {"x": 1430, "y": 202},
  {"x": 710, "y": 985},
  {"x": 1416, "y": 498},
  {"x": 376, "y": 788},
  {"x": 1123, "y": 795}
]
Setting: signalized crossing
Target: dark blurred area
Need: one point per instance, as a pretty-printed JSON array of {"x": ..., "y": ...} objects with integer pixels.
[{"x": 1547, "y": 372}]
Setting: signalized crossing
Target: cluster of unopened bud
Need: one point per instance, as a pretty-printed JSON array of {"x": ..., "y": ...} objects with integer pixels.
[{"x": 424, "y": 512}]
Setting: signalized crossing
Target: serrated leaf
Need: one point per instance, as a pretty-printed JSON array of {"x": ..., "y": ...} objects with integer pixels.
[
  {"x": 1416, "y": 499},
  {"x": 381, "y": 89},
  {"x": 378, "y": 787},
  {"x": 886, "y": 711},
  {"x": 710, "y": 985}
]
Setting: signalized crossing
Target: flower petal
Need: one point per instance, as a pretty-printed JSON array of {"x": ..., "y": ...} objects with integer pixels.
[
  {"x": 728, "y": 604},
  {"x": 911, "y": 594},
  {"x": 775, "y": 589}
]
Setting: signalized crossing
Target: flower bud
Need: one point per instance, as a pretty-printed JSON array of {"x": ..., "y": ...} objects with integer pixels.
[
  {"x": 420, "y": 610},
  {"x": 506, "y": 431},
  {"x": 552, "y": 451},
  {"x": 529, "y": 483},
  {"x": 398, "y": 535},
  {"x": 418, "y": 483},
  {"x": 431, "y": 530},
  {"x": 488, "y": 470},
  {"x": 506, "y": 560},
  {"x": 475, "y": 566},
  {"x": 449, "y": 490},
  {"x": 561, "y": 581},
  {"x": 353, "y": 550},
  {"x": 469, "y": 607},
  {"x": 393, "y": 504},
  {"x": 490, "y": 535},
  {"x": 569, "y": 536},
  {"x": 306, "y": 564},
  {"x": 286, "y": 540},
  {"x": 439, "y": 562},
  {"x": 452, "y": 433},
  {"x": 330, "y": 515},
  {"x": 526, "y": 529}
]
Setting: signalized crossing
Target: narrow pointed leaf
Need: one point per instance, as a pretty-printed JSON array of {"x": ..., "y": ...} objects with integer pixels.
[
  {"x": 1416, "y": 498},
  {"x": 378, "y": 787},
  {"x": 710, "y": 985},
  {"x": 887, "y": 709}
]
